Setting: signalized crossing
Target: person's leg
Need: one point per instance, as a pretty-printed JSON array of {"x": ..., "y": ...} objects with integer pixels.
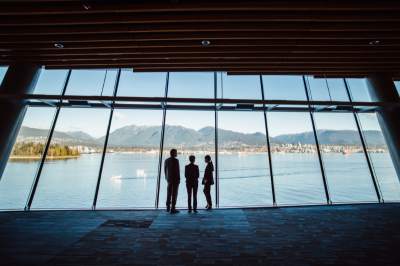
[
  {"x": 195, "y": 187},
  {"x": 169, "y": 194},
  {"x": 207, "y": 192},
  {"x": 189, "y": 195},
  {"x": 174, "y": 195}
]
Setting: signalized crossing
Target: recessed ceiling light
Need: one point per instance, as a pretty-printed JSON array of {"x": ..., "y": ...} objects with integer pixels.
[
  {"x": 205, "y": 42},
  {"x": 86, "y": 6},
  {"x": 58, "y": 45},
  {"x": 375, "y": 42}
]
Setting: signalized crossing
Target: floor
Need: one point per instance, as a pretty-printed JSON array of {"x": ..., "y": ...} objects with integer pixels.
[{"x": 345, "y": 234}]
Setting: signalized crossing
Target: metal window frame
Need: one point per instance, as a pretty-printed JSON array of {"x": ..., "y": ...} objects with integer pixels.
[
  {"x": 96, "y": 193},
  {"x": 60, "y": 101},
  {"x": 32, "y": 191},
  {"x": 364, "y": 146},
  {"x": 320, "y": 160}
]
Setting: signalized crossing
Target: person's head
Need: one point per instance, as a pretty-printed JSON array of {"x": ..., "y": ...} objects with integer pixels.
[
  {"x": 173, "y": 153},
  {"x": 207, "y": 158},
  {"x": 192, "y": 158}
]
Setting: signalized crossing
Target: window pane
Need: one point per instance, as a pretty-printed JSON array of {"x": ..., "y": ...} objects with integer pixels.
[
  {"x": 51, "y": 82},
  {"x": 359, "y": 90},
  {"x": 70, "y": 172},
  {"x": 397, "y": 84},
  {"x": 346, "y": 168},
  {"x": 243, "y": 160},
  {"x": 322, "y": 89},
  {"x": 239, "y": 86},
  {"x": 284, "y": 88},
  {"x": 191, "y": 85},
  {"x": 92, "y": 82},
  {"x": 190, "y": 132},
  {"x": 3, "y": 71},
  {"x": 295, "y": 164},
  {"x": 141, "y": 84},
  {"x": 131, "y": 164},
  {"x": 21, "y": 168},
  {"x": 380, "y": 157}
]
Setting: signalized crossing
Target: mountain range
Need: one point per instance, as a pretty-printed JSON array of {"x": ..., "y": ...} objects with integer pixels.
[{"x": 149, "y": 136}]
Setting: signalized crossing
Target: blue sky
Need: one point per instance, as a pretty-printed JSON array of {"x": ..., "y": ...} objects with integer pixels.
[{"x": 195, "y": 85}]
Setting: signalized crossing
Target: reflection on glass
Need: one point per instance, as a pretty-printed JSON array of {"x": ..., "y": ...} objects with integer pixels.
[
  {"x": 322, "y": 89},
  {"x": 3, "y": 71},
  {"x": 297, "y": 173},
  {"x": 244, "y": 178},
  {"x": 22, "y": 165},
  {"x": 51, "y": 82},
  {"x": 278, "y": 87},
  {"x": 96, "y": 82},
  {"x": 238, "y": 86},
  {"x": 70, "y": 172},
  {"x": 190, "y": 132},
  {"x": 346, "y": 168},
  {"x": 358, "y": 89},
  {"x": 131, "y": 164},
  {"x": 141, "y": 84},
  {"x": 380, "y": 157}
]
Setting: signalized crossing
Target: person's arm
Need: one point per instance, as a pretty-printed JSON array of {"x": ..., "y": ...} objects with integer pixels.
[
  {"x": 186, "y": 171},
  {"x": 165, "y": 168},
  {"x": 197, "y": 172},
  {"x": 177, "y": 163}
]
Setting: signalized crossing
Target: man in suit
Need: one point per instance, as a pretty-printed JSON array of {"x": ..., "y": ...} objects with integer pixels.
[
  {"x": 192, "y": 183},
  {"x": 171, "y": 171}
]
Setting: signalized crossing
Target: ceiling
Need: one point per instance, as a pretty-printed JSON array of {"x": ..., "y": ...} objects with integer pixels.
[{"x": 333, "y": 38}]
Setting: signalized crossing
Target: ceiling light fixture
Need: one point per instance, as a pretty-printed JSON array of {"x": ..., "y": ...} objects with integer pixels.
[
  {"x": 374, "y": 42},
  {"x": 86, "y": 6},
  {"x": 59, "y": 45},
  {"x": 205, "y": 43}
]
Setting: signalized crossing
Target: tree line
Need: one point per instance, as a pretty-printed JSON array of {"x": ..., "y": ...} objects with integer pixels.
[{"x": 37, "y": 149}]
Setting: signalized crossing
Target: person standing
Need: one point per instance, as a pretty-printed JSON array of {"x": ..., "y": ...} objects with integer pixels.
[
  {"x": 172, "y": 175},
  {"x": 192, "y": 183},
  {"x": 208, "y": 180}
]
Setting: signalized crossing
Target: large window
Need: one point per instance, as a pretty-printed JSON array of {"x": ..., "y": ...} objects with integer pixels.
[
  {"x": 131, "y": 163},
  {"x": 244, "y": 177},
  {"x": 297, "y": 173},
  {"x": 23, "y": 163},
  {"x": 397, "y": 84},
  {"x": 380, "y": 157},
  {"x": 259, "y": 154},
  {"x": 70, "y": 172},
  {"x": 346, "y": 168},
  {"x": 191, "y": 133}
]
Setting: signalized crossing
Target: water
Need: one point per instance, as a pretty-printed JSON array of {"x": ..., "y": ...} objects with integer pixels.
[{"x": 129, "y": 180}]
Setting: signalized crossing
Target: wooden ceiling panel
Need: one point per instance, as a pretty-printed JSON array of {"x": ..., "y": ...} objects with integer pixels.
[{"x": 332, "y": 37}]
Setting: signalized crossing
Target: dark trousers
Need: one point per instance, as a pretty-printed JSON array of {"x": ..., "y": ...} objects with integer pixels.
[
  {"x": 192, "y": 189},
  {"x": 207, "y": 192},
  {"x": 172, "y": 194}
]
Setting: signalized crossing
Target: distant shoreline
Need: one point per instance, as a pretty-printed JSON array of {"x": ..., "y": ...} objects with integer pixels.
[{"x": 35, "y": 158}]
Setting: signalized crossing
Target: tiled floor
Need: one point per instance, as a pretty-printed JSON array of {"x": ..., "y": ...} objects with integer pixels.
[{"x": 348, "y": 234}]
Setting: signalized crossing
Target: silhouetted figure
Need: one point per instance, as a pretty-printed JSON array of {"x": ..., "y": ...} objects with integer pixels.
[
  {"x": 171, "y": 170},
  {"x": 208, "y": 181},
  {"x": 192, "y": 183}
]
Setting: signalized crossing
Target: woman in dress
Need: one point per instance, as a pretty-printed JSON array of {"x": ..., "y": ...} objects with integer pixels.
[{"x": 208, "y": 180}]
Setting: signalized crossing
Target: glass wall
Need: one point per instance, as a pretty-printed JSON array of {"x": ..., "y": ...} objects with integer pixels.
[
  {"x": 380, "y": 157},
  {"x": 3, "y": 70},
  {"x": 133, "y": 160},
  {"x": 191, "y": 133},
  {"x": 297, "y": 173},
  {"x": 346, "y": 168},
  {"x": 397, "y": 84},
  {"x": 130, "y": 169},
  {"x": 70, "y": 172},
  {"x": 23, "y": 163},
  {"x": 244, "y": 177}
]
